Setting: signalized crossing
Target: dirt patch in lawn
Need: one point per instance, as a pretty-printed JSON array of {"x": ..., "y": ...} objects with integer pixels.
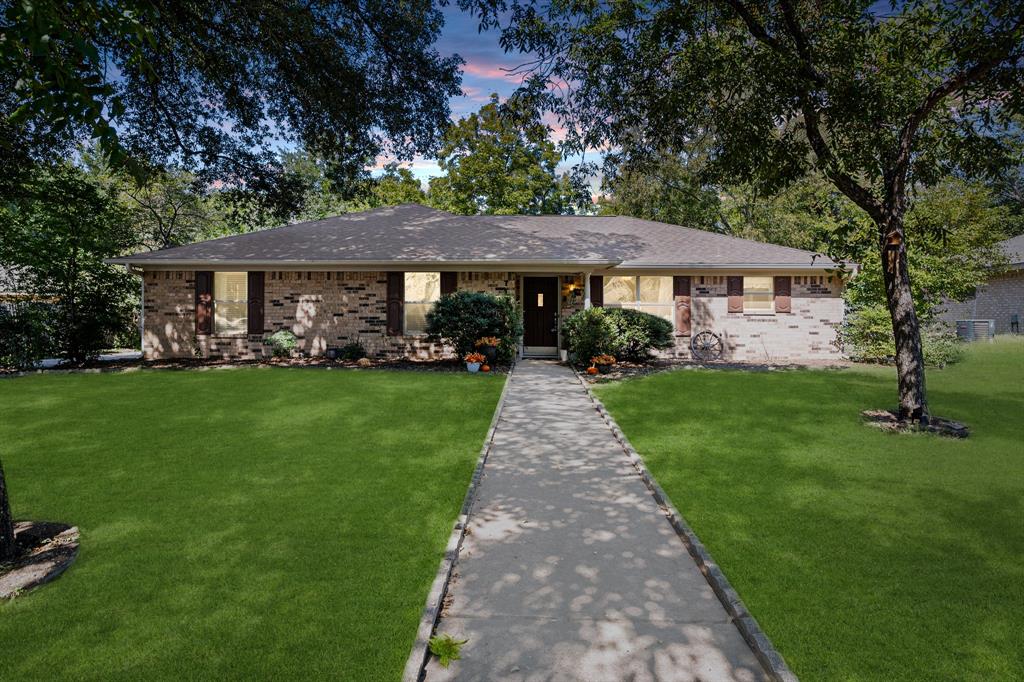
[
  {"x": 888, "y": 420},
  {"x": 45, "y": 551}
]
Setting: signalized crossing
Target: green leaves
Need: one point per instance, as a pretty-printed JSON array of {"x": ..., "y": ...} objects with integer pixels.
[
  {"x": 446, "y": 648},
  {"x": 56, "y": 234},
  {"x": 465, "y": 316},
  {"x": 501, "y": 161},
  {"x": 215, "y": 86}
]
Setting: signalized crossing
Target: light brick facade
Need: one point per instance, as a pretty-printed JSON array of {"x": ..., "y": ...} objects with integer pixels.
[
  {"x": 331, "y": 309},
  {"x": 807, "y": 334},
  {"x": 999, "y": 299}
]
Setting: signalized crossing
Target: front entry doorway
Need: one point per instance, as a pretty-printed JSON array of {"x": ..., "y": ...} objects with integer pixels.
[{"x": 540, "y": 316}]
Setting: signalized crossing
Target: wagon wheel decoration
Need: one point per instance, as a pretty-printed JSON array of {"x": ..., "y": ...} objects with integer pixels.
[{"x": 706, "y": 346}]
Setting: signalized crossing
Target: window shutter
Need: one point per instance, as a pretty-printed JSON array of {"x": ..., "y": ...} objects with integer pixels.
[
  {"x": 783, "y": 295},
  {"x": 256, "y": 302},
  {"x": 449, "y": 282},
  {"x": 596, "y": 291},
  {"x": 204, "y": 302},
  {"x": 734, "y": 288},
  {"x": 395, "y": 303},
  {"x": 681, "y": 295}
]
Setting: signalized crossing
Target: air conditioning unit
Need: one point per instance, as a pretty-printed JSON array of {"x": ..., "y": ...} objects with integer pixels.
[{"x": 975, "y": 330}]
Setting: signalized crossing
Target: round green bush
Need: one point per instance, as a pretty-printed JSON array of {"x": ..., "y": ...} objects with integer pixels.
[
  {"x": 588, "y": 334},
  {"x": 635, "y": 334},
  {"x": 282, "y": 343},
  {"x": 465, "y": 316},
  {"x": 626, "y": 334}
]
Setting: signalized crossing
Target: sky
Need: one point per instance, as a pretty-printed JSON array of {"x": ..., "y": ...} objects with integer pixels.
[{"x": 482, "y": 74}]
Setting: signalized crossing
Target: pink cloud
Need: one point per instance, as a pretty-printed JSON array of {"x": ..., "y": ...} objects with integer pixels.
[
  {"x": 476, "y": 94},
  {"x": 489, "y": 70}
]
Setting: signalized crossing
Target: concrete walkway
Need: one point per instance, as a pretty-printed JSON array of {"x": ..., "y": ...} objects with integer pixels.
[{"x": 569, "y": 571}]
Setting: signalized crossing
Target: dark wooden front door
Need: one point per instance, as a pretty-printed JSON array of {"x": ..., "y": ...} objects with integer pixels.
[{"x": 540, "y": 312}]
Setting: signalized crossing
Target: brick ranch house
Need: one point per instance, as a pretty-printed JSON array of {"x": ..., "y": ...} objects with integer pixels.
[
  {"x": 1001, "y": 298},
  {"x": 372, "y": 276}
]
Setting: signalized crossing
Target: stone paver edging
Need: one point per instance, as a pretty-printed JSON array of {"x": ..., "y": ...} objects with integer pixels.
[
  {"x": 416, "y": 664},
  {"x": 763, "y": 648}
]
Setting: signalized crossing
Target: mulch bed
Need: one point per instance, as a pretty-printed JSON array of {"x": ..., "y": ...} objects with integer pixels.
[
  {"x": 626, "y": 370},
  {"x": 315, "y": 363},
  {"x": 888, "y": 420},
  {"x": 47, "y": 549}
]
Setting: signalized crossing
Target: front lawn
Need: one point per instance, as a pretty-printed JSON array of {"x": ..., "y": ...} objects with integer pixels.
[
  {"x": 864, "y": 555},
  {"x": 245, "y": 523}
]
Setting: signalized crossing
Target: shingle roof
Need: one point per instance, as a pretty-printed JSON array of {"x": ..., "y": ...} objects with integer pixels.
[
  {"x": 1014, "y": 249},
  {"x": 411, "y": 233}
]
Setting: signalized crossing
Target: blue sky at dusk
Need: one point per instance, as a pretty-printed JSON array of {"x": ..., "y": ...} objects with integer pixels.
[{"x": 482, "y": 74}]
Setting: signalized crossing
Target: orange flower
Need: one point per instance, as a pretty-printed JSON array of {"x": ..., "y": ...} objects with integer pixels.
[{"x": 474, "y": 357}]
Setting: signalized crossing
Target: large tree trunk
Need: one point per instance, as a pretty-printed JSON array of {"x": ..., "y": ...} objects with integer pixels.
[
  {"x": 7, "y": 548},
  {"x": 905, "y": 327}
]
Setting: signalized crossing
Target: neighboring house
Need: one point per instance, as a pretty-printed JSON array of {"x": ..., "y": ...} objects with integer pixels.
[
  {"x": 1000, "y": 299},
  {"x": 371, "y": 277},
  {"x": 11, "y": 290}
]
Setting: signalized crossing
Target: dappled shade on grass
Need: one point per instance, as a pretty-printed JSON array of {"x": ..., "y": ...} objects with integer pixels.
[
  {"x": 248, "y": 523},
  {"x": 864, "y": 555}
]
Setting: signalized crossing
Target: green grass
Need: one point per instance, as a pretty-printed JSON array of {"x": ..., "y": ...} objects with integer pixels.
[
  {"x": 864, "y": 555},
  {"x": 251, "y": 523}
]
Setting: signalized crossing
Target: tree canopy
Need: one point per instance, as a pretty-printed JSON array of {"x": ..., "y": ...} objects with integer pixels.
[
  {"x": 876, "y": 98},
  {"x": 397, "y": 185},
  {"x": 666, "y": 188},
  {"x": 213, "y": 87},
  {"x": 499, "y": 160}
]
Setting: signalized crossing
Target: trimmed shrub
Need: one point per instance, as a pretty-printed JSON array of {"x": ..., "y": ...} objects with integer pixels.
[
  {"x": 940, "y": 345},
  {"x": 282, "y": 343},
  {"x": 867, "y": 337},
  {"x": 25, "y": 335},
  {"x": 465, "y": 316},
  {"x": 589, "y": 334},
  {"x": 635, "y": 334},
  {"x": 626, "y": 334}
]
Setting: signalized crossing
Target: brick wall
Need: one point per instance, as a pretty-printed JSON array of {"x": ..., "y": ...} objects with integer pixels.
[
  {"x": 808, "y": 333},
  {"x": 999, "y": 299},
  {"x": 330, "y": 309},
  {"x": 322, "y": 309}
]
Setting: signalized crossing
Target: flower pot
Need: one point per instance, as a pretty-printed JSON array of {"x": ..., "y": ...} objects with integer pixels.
[
  {"x": 563, "y": 355},
  {"x": 604, "y": 369},
  {"x": 490, "y": 352},
  {"x": 473, "y": 366}
]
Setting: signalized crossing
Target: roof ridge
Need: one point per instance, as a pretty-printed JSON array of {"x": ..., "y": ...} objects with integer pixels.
[
  {"x": 726, "y": 236},
  {"x": 302, "y": 223}
]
